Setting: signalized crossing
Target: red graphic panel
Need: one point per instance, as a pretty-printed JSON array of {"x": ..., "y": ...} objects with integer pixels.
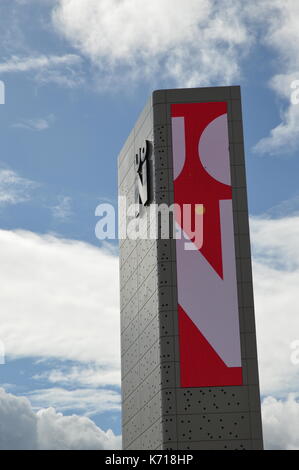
[{"x": 207, "y": 287}]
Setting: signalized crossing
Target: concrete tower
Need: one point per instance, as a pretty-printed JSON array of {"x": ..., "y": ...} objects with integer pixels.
[{"x": 188, "y": 341}]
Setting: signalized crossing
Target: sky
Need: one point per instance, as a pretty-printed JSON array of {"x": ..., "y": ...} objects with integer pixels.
[{"x": 77, "y": 73}]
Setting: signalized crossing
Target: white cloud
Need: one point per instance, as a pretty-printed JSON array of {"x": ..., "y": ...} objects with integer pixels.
[
  {"x": 91, "y": 375},
  {"x": 282, "y": 24},
  {"x": 38, "y": 124},
  {"x": 56, "y": 432},
  {"x": 67, "y": 302},
  {"x": 22, "y": 428},
  {"x": 26, "y": 64},
  {"x": 284, "y": 138},
  {"x": 191, "y": 45},
  {"x": 280, "y": 423},
  {"x": 13, "y": 188},
  {"x": 63, "y": 70},
  {"x": 17, "y": 423},
  {"x": 88, "y": 401},
  {"x": 276, "y": 280},
  {"x": 62, "y": 210}
]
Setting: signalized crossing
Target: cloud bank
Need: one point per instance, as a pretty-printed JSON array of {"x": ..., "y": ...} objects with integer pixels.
[
  {"x": 23, "y": 429},
  {"x": 191, "y": 46},
  {"x": 280, "y": 423},
  {"x": 276, "y": 278},
  {"x": 59, "y": 299}
]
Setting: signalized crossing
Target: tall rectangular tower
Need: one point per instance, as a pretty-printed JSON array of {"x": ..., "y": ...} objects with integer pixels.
[{"x": 188, "y": 341}]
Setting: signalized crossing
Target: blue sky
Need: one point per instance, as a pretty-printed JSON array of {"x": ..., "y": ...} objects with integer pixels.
[{"x": 76, "y": 76}]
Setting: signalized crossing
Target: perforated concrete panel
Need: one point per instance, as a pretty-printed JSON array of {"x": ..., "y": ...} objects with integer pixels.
[{"x": 158, "y": 412}]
